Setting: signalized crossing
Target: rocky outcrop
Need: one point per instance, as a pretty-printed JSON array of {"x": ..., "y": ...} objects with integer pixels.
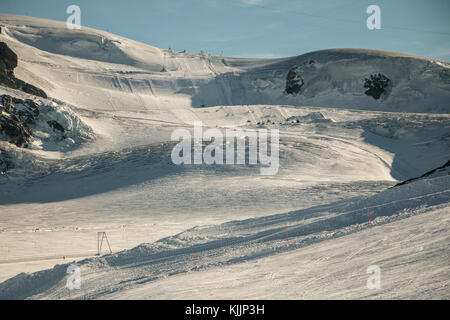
[
  {"x": 18, "y": 117},
  {"x": 445, "y": 169},
  {"x": 376, "y": 85},
  {"x": 294, "y": 82},
  {"x": 15, "y": 116},
  {"x": 39, "y": 125},
  {"x": 55, "y": 125},
  {"x": 311, "y": 78},
  {"x": 27, "y": 110},
  {"x": 17, "y": 132},
  {"x": 3, "y": 163},
  {"x": 8, "y": 61},
  {"x": 28, "y": 88},
  {"x": 297, "y": 77},
  {"x": 445, "y": 76}
]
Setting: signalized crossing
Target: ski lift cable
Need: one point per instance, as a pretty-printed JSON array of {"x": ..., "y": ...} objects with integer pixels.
[{"x": 353, "y": 21}]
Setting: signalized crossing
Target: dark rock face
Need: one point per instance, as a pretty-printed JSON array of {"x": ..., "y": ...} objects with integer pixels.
[
  {"x": 8, "y": 58},
  {"x": 18, "y": 116},
  {"x": 15, "y": 116},
  {"x": 426, "y": 174},
  {"x": 297, "y": 76},
  {"x": 12, "y": 127},
  {"x": 294, "y": 82},
  {"x": 376, "y": 85},
  {"x": 28, "y": 88},
  {"x": 8, "y": 61},
  {"x": 55, "y": 125},
  {"x": 27, "y": 112},
  {"x": 444, "y": 75},
  {"x": 3, "y": 163}
]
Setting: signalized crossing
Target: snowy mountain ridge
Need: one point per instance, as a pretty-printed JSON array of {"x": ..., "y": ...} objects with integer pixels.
[{"x": 331, "y": 78}]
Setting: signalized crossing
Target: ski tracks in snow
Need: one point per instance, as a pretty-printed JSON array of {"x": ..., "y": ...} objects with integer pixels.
[{"x": 235, "y": 242}]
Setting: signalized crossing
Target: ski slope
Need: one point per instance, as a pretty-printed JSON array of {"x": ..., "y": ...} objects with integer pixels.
[
  {"x": 220, "y": 246},
  {"x": 340, "y": 151},
  {"x": 329, "y": 270}
]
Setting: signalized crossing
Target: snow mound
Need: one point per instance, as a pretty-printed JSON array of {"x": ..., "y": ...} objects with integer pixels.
[
  {"x": 399, "y": 126},
  {"x": 54, "y": 37},
  {"x": 315, "y": 117},
  {"x": 76, "y": 131}
]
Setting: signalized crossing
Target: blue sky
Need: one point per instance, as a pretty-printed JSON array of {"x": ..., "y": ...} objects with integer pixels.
[{"x": 261, "y": 28}]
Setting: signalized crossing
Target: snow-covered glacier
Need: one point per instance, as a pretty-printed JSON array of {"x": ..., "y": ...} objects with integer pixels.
[{"x": 96, "y": 157}]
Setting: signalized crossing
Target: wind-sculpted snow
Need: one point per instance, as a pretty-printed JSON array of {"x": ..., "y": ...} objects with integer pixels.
[
  {"x": 77, "y": 43},
  {"x": 231, "y": 242},
  {"x": 62, "y": 176},
  {"x": 26, "y": 169},
  {"x": 337, "y": 78},
  {"x": 310, "y": 117},
  {"x": 396, "y": 127}
]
